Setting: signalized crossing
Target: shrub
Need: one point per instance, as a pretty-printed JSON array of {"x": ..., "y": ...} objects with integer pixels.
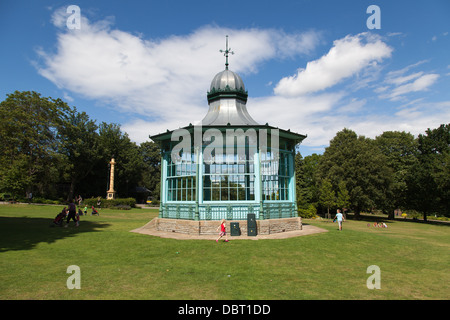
[
  {"x": 413, "y": 214},
  {"x": 307, "y": 213},
  {"x": 441, "y": 218},
  {"x": 6, "y": 197},
  {"x": 38, "y": 200},
  {"x": 113, "y": 203},
  {"x": 155, "y": 203}
]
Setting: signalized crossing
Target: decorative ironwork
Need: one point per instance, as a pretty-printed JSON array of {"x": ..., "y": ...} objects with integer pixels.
[
  {"x": 229, "y": 212},
  {"x": 226, "y": 52}
]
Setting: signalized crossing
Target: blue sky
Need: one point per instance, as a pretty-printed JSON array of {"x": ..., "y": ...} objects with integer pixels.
[{"x": 310, "y": 66}]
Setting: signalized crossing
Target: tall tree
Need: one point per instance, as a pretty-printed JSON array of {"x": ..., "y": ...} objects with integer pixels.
[
  {"x": 429, "y": 179},
  {"x": 28, "y": 128},
  {"x": 401, "y": 150},
  {"x": 129, "y": 163},
  {"x": 343, "y": 197},
  {"x": 80, "y": 148},
  {"x": 360, "y": 164},
  {"x": 327, "y": 195},
  {"x": 303, "y": 196},
  {"x": 306, "y": 181},
  {"x": 151, "y": 173}
]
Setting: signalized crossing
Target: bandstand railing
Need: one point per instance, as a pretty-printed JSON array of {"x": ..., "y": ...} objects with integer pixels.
[{"x": 216, "y": 211}]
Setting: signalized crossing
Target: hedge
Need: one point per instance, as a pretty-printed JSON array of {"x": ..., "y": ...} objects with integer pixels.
[{"x": 119, "y": 203}]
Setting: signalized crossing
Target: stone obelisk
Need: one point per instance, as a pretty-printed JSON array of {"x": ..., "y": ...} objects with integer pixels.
[{"x": 111, "y": 194}]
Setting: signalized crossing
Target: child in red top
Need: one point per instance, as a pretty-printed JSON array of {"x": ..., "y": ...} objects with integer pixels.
[{"x": 222, "y": 231}]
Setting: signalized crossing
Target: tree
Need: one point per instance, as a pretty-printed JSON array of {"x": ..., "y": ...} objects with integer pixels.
[
  {"x": 53, "y": 151},
  {"x": 343, "y": 197},
  {"x": 13, "y": 176},
  {"x": 303, "y": 196},
  {"x": 360, "y": 164},
  {"x": 327, "y": 196},
  {"x": 434, "y": 150},
  {"x": 400, "y": 149},
  {"x": 306, "y": 180},
  {"x": 28, "y": 129},
  {"x": 79, "y": 147},
  {"x": 429, "y": 179},
  {"x": 128, "y": 170},
  {"x": 151, "y": 173}
]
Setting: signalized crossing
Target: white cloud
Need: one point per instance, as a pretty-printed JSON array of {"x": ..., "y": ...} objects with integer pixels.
[
  {"x": 396, "y": 73},
  {"x": 164, "y": 78},
  {"x": 67, "y": 97},
  {"x": 402, "y": 79},
  {"x": 400, "y": 83},
  {"x": 59, "y": 17},
  {"x": 300, "y": 114},
  {"x": 347, "y": 57},
  {"x": 353, "y": 106},
  {"x": 162, "y": 83},
  {"x": 415, "y": 118},
  {"x": 420, "y": 84}
]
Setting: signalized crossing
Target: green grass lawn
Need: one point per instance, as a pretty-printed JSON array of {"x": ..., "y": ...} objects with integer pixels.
[{"x": 414, "y": 259}]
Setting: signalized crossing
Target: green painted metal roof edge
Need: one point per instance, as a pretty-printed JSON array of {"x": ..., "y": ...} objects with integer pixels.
[{"x": 283, "y": 133}]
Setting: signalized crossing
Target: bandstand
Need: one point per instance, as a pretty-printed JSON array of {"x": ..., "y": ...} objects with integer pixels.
[{"x": 227, "y": 166}]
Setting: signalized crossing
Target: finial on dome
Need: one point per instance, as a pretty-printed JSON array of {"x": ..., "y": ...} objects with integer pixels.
[{"x": 226, "y": 52}]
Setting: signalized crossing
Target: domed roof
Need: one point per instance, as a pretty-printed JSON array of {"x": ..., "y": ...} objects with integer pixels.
[
  {"x": 227, "y": 100},
  {"x": 227, "y": 80}
]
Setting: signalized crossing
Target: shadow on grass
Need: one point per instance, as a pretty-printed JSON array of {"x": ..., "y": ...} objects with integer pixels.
[{"x": 24, "y": 233}]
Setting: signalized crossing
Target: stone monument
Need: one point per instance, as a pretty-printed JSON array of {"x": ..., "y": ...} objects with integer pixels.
[{"x": 111, "y": 194}]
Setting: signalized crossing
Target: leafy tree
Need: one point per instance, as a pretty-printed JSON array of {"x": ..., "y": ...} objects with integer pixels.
[
  {"x": 400, "y": 149},
  {"x": 327, "y": 196},
  {"x": 310, "y": 170},
  {"x": 79, "y": 147},
  {"x": 128, "y": 170},
  {"x": 429, "y": 179},
  {"x": 55, "y": 151},
  {"x": 360, "y": 164},
  {"x": 306, "y": 181},
  {"x": 28, "y": 127},
  {"x": 343, "y": 197},
  {"x": 151, "y": 173},
  {"x": 13, "y": 176},
  {"x": 303, "y": 195}
]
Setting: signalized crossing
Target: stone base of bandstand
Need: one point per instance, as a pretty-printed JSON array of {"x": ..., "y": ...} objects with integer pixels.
[{"x": 207, "y": 229}]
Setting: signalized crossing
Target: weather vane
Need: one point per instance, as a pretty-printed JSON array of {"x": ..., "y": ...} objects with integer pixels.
[{"x": 225, "y": 53}]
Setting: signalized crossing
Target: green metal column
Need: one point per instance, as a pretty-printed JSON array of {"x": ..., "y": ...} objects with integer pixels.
[
  {"x": 163, "y": 186},
  {"x": 293, "y": 182},
  {"x": 258, "y": 184},
  {"x": 197, "y": 183}
]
